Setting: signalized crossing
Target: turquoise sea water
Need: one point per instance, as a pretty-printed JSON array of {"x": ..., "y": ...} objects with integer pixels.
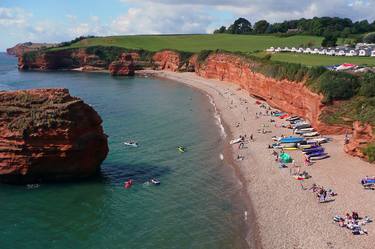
[{"x": 197, "y": 204}]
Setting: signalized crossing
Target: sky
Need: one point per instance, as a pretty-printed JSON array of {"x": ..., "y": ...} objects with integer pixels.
[{"x": 63, "y": 20}]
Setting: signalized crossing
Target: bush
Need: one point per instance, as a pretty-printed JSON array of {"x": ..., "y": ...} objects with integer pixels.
[
  {"x": 107, "y": 54},
  {"x": 202, "y": 55},
  {"x": 369, "y": 38},
  {"x": 29, "y": 56},
  {"x": 68, "y": 43},
  {"x": 369, "y": 151},
  {"x": 184, "y": 57},
  {"x": 329, "y": 41},
  {"x": 368, "y": 85},
  {"x": 337, "y": 86}
]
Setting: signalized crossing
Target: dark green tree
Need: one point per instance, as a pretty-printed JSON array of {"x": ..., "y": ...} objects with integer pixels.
[
  {"x": 329, "y": 41},
  {"x": 221, "y": 30},
  {"x": 369, "y": 38},
  {"x": 240, "y": 26},
  {"x": 260, "y": 27}
]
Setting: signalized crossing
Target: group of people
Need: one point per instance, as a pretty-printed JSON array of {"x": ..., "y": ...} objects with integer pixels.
[
  {"x": 353, "y": 222},
  {"x": 322, "y": 194}
]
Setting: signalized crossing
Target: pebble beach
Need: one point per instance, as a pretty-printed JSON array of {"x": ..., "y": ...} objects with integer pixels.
[{"x": 287, "y": 214}]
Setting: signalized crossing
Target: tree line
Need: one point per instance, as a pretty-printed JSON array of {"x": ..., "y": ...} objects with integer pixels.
[{"x": 319, "y": 26}]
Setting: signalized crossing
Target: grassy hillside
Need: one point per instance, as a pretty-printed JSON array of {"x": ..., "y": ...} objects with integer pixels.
[
  {"x": 320, "y": 60},
  {"x": 233, "y": 43},
  {"x": 196, "y": 43}
]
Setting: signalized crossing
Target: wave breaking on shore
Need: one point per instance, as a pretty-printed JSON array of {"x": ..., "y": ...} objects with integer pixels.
[{"x": 217, "y": 116}]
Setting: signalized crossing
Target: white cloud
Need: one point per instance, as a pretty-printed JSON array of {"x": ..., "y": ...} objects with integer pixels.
[
  {"x": 156, "y": 18},
  {"x": 13, "y": 17},
  {"x": 172, "y": 16},
  {"x": 280, "y": 10}
]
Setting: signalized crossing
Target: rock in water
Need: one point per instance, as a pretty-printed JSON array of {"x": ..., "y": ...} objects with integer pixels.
[
  {"x": 123, "y": 67},
  {"x": 48, "y": 135}
]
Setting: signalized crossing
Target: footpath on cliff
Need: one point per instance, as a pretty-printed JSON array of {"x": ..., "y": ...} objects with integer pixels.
[{"x": 287, "y": 214}]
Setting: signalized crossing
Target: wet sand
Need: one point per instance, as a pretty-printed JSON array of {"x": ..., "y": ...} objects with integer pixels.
[{"x": 287, "y": 215}]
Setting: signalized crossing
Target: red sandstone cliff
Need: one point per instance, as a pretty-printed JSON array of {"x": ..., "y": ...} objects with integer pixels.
[
  {"x": 60, "y": 59},
  {"x": 21, "y": 48},
  {"x": 167, "y": 60},
  {"x": 48, "y": 135},
  {"x": 362, "y": 136},
  {"x": 123, "y": 67},
  {"x": 293, "y": 97}
]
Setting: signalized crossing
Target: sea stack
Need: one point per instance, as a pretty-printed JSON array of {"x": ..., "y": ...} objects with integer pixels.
[
  {"x": 124, "y": 66},
  {"x": 48, "y": 135}
]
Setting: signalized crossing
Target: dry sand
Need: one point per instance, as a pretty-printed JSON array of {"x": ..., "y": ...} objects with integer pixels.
[{"x": 288, "y": 215}]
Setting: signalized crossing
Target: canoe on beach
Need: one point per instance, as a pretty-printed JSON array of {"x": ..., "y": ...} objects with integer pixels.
[
  {"x": 319, "y": 157},
  {"x": 291, "y": 140},
  {"x": 315, "y": 151},
  {"x": 301, "y": 126},
  {"x": 290, "y": 148},
  {"x": 317, "y": 140},
  {"x": 317, "y": 154},
  {"x": 311, "y": 134},
  {"x": 293, "y": 118},
  {"x": 304, "y": 130},
  {"x": 236, "y": 141}
]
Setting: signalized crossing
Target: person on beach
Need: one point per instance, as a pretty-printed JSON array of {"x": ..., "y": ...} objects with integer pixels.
[
  {"x": 251, "y": 137},
  {"x": 346, "y": 139}
]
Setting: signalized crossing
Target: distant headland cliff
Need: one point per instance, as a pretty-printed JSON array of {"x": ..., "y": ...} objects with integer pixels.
[
  {"x": 314, "y": 93},
  {"x": 21, "y": 48},
  {"x": 48, "y": 135}
]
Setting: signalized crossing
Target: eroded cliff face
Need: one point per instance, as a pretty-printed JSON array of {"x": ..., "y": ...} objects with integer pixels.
[
  {"x": 362, "y": 136},
  {"x": 167, "y": 60},
  {"x": 63, "y": 59},
  {"x": 75, "y": 59},
  {"x": 124, "y": 66},
  {"x": 292, "y": 97},
  {"x": 48, "y": 135}
]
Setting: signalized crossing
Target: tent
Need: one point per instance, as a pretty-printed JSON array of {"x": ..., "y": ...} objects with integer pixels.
[{"x": 285, "y": 158}]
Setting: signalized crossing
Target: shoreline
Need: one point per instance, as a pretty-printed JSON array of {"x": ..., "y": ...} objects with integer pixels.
[
  {"x": 286, "y": 214},
  {"x": 251, "y": 233}
]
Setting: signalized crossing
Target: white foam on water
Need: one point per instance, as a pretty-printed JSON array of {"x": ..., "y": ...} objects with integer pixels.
[{"x": 217, "y": 118}]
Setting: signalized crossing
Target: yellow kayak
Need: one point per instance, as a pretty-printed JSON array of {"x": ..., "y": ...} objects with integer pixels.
[{"x": 290, "y": 148}]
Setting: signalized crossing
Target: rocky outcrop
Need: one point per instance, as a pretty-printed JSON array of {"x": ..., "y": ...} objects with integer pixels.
[
  {"x": 47, "y": 60},
  {"x": 48, "y": 135},
  {"x": 362, "y": 136},
  {"x": 22, "y": 48},
  {"x": 293, "y": 97},
  {"x": 60, "y": 59},
  {"x": 167, "y": 60},
  {"x": 123, "y": 67}
]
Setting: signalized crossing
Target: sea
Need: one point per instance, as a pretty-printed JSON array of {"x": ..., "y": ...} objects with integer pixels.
[{"x": 198, "y": 204}]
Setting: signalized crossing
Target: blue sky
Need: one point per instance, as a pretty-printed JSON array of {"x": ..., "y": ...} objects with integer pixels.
[{"x": 61, "y": 20}]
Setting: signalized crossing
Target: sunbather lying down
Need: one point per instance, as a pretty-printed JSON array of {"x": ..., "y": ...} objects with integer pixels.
[{"x": 353, "y": 222}]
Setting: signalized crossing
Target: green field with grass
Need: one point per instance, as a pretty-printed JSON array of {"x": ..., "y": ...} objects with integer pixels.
[
  {"x": 320, "y": 60},
  {"x": 197, "y": 43},
  {"x": 227, "y": 42}
]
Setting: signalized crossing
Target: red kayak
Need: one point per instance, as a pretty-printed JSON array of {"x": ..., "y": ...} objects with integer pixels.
[{"x": 128, "y": 184}]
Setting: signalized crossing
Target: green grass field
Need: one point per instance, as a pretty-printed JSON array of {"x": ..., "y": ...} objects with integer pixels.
[
  {"x": 233, "y": 43},
  {"x": 197, "y": 43},
  {"x": 320, "y": 60}
]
